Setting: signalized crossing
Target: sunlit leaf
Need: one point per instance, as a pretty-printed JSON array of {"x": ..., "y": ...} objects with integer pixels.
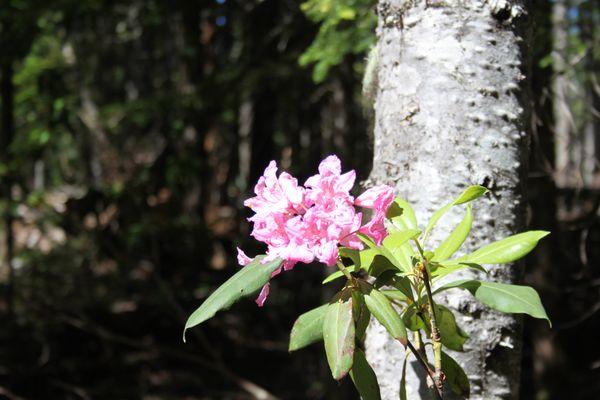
[
  {"x": 442, "y": 270},
  {"x": 506, "y": 250},
  {"x": 453, "y": 242},
  {"x": 469, "y": 194},
  {"x": 402, "y": 215},
  {"x": 503, "y": 297}
]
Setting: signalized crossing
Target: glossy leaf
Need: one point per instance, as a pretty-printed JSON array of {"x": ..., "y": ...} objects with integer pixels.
[
  {"x": 384, "y": 312},
  {"x": 399, "y": 238},
  {"x": 435, "y": 218},
  {"x": 308, "y": 328},
  {"x": 247, "y": 281},
  {"x": 402, "y": 214},
  {"x": 442, "y": 270},
  {"x": 469, "y": 194},
  {"x": 506, "y": 250},
  {"x": 338, "y": 336},
  {"x": 377, "y": 268},
  {"x": 364, "y": 377},
  {"x": 456, "y": 377},
  {"x": 502, "y": 297},
  {"x": 399, "y": 248},
  {"x": 453, "y": 242}
]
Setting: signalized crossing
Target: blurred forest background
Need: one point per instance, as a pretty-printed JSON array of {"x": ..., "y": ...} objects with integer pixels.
[{"x": 132, "y": 131}]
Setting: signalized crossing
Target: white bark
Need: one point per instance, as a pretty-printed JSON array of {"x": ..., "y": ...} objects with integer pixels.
[{"x": 450, "y": 113}]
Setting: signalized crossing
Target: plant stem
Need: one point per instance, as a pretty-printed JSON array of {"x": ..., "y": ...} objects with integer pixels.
[
  {"x": 345, "y": 271},
  {"x": 435, "y": 332},
  {"x": 425, "y": 365}
]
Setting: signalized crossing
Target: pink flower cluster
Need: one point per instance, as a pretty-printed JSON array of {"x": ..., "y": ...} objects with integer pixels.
[{"x": 301, "y": 224}]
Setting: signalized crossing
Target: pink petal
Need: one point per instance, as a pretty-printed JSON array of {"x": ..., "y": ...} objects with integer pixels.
[
  {"x": 242, "y": 258},
  {"x": 331, "y": 165},
  {"x": 375, "y": 228},
  {"x": 262, "y": 297},
  {"x": 378, "y": 197},
  {"x": 328, "y": 253}
]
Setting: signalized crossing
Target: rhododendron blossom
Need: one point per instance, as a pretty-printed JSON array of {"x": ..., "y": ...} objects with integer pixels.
[{"x": 303, "y": 224}]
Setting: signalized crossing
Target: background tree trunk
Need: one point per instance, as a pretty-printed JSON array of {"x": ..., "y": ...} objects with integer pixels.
[{"x": 451, "y": 112}]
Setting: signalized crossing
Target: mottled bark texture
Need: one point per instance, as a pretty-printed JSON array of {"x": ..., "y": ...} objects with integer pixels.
[{"x": 450, "y": 112}]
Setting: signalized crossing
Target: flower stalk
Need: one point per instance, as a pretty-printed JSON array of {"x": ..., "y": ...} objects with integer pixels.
[{"x": 438, "y": 377}]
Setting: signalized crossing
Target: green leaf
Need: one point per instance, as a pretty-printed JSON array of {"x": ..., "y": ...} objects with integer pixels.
[
  {"x": 435, "y": 218},
  {"x": 379, "y": 267},
  {"x": 362, "y": 259},
  {"x": 397, "y": 239},
  {"x": 338, "y": 335},
  {"x": 469, "y": 194},
  {"x": 403, "y": 380},
  {"x": 399, "y": 249},
  {"x": 502, "y": 297},
  {"x": 453, "y": 337},
  {"x": 506, "y": 250},
  {"x": 384, "y": 312},
  {"x": 402, "y": 215},
  {"x": 364, "y": 377},
  {"x": 361, "y": 315},
  {"x": 455, "y": 239},
  {"x": 412, "y": 320},
  {"x": 400, "y": 282},
  {"x": 395, "y": 295},
  {"x": 455, "y": 376},
  {"x": 308, "y": 328},
  {"x": 245, "y": 282},
  {"x": 442, "y": 270},
  {"x": 332, "y": 277}
]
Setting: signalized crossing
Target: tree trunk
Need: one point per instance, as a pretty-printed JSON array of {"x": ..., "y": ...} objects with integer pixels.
[{"x": 451, "y": 112}]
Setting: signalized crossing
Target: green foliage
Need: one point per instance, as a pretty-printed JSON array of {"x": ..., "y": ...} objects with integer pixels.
[
  {"x": 469, "y": 194},
  {"x": 381, "y": 308},
  {"x": 503, "y": 297},
  {"x": 456, "y": 377},
  {"x": 346, "y": 27},
  {"x": 506, "y": 250},
  {"x": 338, "y": 336},
  {"x": 364, "y": 377},
  {"x": 247, "y": 281},
  {"x": 458, "y": 236},
  {"x": 308, "y": 328}
]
